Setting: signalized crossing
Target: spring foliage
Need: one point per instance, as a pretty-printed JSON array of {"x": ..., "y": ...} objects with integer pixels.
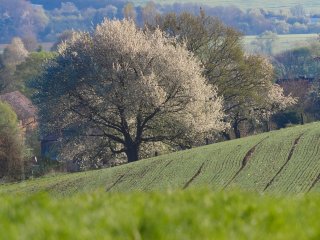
[
  {"x": 11, "y": 143},
  {"x": 192, "y": 214},
  {"x": 122, "y": 87},
  {"x": 245, "y": 82}
]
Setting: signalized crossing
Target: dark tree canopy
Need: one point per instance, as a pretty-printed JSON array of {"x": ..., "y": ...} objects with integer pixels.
[{"x": 240, "y": 78}]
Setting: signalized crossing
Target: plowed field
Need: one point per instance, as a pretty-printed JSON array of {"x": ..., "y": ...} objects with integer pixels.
[{"x": 284, "y": 161}]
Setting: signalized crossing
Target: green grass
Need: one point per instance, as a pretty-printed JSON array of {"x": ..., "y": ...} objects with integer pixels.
[
  {"x": 242, "y": 189},
  {"x": 284, "y": 161},
  {"x": 284, "y": 42},
  {"x": 192, "y": 214}
]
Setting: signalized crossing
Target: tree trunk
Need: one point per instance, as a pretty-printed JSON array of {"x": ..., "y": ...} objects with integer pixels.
[
  {"x": 268, "y": 125},
  {"x": 132, "y": 153},
  {"x": 301, "y": 119},
  {"x": 236, "y": 130},
  {"x": 226, "y": 136}
]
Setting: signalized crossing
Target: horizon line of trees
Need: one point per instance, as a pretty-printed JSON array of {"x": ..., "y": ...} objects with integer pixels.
[{"x": 45, "y": 20}]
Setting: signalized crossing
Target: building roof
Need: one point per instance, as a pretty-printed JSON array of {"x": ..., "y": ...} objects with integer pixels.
[{"x": 22, "y": 106}]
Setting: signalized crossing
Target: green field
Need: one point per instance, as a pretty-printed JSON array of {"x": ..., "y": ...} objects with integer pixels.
[
  {"x": 284, "y": 42},
  {"x": 311, "y": 5},
  {"x": 192, "y": 214},
  {"x": 284, "y": 161},
  {"x": 241, "y": 189}
]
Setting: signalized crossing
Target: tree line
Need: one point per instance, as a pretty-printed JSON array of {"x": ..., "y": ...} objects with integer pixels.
[
  {"x": 123, "y": 92},
  {"x": 175, "y": 84},
  {"x": 44, "y": 20}
]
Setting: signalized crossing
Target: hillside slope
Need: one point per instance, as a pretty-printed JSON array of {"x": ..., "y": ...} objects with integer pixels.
[{"x": 284, "y": 161}]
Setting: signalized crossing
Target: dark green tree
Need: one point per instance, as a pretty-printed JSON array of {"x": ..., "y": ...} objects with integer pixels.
[
  {"x": 242, "y": 80},
  {"x": 29, "y": 69},
  {"x": 11, "y": 144},
  {"x": 298, "y": 63}
]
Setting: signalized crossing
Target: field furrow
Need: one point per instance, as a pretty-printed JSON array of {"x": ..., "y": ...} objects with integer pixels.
[
  {"x": 268, "y": 159},
  {"x": 314, "y": 183},
  {"x": 283, "y": 161},
  {"x": 218, "y": 158},
  {"x": 177, "y": 176},
  {"x": 233, "y": 161},
  {"x": 303, "y": 168},
  {"x": 296, "y": 142},
  {"x": 245, "y": 161},
  {"x": 156, "y": 175},
  {"x": 135, "y": 177},
  {"x": 194, "y": 177}
]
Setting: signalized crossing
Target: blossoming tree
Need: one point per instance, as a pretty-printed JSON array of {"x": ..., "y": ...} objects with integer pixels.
[{"x": 121, "y": 87}]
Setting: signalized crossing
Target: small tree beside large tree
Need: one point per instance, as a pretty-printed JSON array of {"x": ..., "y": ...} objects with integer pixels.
[
  {"x": 245, "y": 82},
  {"x": 121, "y": 87},
  {"x": 12, "y": 148}
]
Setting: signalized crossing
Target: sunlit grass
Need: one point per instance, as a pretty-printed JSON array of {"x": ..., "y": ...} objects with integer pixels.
[
  {"x": 276, "y": 165},
  {"x": 191, "y": 214}
]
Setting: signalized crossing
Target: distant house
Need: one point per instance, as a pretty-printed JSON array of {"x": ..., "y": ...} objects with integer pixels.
[{"x": 23, "y": 107}]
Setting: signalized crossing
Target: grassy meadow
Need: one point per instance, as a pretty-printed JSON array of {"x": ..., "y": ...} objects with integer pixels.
[
  {"x": 192, "y": 214},
  {"x": 283, "y": 161},
  {"x": 284, "y": 42},
  {"x": 260, "y": 187}
]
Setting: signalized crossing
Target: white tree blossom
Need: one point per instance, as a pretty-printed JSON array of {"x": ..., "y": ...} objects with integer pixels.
[
  {"x": 15, "y": 52},
  {"x": 276, "y": 101},
  {"x": 127, "y": 87}
]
